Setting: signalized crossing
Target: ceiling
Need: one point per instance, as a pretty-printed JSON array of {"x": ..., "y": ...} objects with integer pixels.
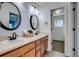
[{"x": 48, "y": 3}]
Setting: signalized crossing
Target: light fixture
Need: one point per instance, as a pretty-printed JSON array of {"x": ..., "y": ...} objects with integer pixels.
[
  {"x": 34, "y": 10},
  {"x": 31, "y": 9},
  {"x": 57, "y": 11},
  {"x": 20, "y": 2}
]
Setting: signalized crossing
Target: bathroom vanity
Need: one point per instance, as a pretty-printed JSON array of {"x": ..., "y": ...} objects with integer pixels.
[{"x": 34, "y": 46}]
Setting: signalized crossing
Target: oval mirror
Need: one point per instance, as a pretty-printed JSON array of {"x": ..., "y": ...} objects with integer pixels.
[
  {"x": 34, "y": 22},
  {"x": 10, "y": 16}
]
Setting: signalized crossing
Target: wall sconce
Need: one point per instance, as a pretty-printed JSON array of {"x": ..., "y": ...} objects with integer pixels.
[
  {"x": 34, "y": 10},
  {"x": 37, "y": 11}
]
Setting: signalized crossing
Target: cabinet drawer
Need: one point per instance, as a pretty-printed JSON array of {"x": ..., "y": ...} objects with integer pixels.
[
  {"x": 38, "y": 42},
  {"x": 30, "y": 53},
  {"x": 42, "y": 40},
  {"x": 46, "y": 37},
  {"x": 42, "y": 49},
  {"x": 38, "y": 47},
  {"x": 20, "y": 51},
  {"x": 46, "y": 44},
  {"x": 38, "y": 53}
]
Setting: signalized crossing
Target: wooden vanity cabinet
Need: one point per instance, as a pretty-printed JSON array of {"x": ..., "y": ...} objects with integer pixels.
[{"x": 33, "y": 49}]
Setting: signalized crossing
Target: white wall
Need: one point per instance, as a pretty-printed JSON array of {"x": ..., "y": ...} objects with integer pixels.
[
  {"x": 44, "y": 16},
  {"x": 69, "y": 38}
]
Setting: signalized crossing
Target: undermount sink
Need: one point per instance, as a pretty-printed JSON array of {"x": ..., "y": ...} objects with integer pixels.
[{"x": 12, "y": 42}]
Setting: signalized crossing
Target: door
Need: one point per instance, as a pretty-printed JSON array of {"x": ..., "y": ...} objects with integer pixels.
[
  {"x": 58, "y": 27},
  {"x": 58, "y": 24}
]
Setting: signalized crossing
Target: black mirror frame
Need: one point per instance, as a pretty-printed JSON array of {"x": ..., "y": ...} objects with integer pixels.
[
  {"x": 4, "y": 27},
  {"x": 31, "y": 22}
]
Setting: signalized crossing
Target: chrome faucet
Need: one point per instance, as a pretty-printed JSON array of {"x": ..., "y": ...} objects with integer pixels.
[{"x": 13, "y": 37}]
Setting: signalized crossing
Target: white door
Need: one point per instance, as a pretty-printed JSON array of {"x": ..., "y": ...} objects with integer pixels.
[
  {"x": 57, "y": 24},
  {"x": 78, "y": 29}
]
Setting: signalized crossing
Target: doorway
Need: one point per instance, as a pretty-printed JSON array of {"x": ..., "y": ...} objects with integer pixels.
[{"x": 58, "y": 29}]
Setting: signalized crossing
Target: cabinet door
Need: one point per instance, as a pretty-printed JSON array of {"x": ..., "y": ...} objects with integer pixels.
[
  {"x": 30, "y": 53},
  {"x": 38, "y": 47},
  {"x": 42, "y": 48},
  {"x": 46, "y": 44},
  {"x": 38, "y": 53},
  {"x": 38, "y": 42}
]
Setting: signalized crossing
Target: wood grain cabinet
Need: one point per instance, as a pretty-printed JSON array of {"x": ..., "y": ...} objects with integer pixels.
[
  {"x": 42, "y": 48},
  {"x": 20, "y": 51},
  {"x": 33, "y": 49},
  {"x": 46, "y": 42},
  {"x": 38, "y": 48},
  {"x": 44, "y": 45},
  {"x": 38, "y": 53},
  {"x": 30, "y": 53}
]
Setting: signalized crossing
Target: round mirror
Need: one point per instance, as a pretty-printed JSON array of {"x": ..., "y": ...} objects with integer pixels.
[
  {"x": 34, "y": 22},
  {"x": 10, "y": 16}
]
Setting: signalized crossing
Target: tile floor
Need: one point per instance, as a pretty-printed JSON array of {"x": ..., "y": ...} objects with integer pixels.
[
  {"x": 54, "y": 54},
  {"x": 57, "y": 49},
  {"x": 58, "y": 46}
]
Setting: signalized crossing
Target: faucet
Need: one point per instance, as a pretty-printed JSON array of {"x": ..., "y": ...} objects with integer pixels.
[{"x": 13, "y": 37}]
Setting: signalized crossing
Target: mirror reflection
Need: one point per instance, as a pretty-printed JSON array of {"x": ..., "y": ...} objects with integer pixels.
[
  {"x": 9, "y": 15},
  {"x": 34, "y": 22}
]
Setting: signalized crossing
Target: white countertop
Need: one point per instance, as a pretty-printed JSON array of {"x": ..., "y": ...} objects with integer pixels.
[{"x": 7, "y": 48}]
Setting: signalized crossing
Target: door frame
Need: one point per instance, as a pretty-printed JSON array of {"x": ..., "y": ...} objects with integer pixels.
[
  {"x": 77, "y": 29},
  {"x": 64, "y": 24},
  {"x": 74, "y": 26}
]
